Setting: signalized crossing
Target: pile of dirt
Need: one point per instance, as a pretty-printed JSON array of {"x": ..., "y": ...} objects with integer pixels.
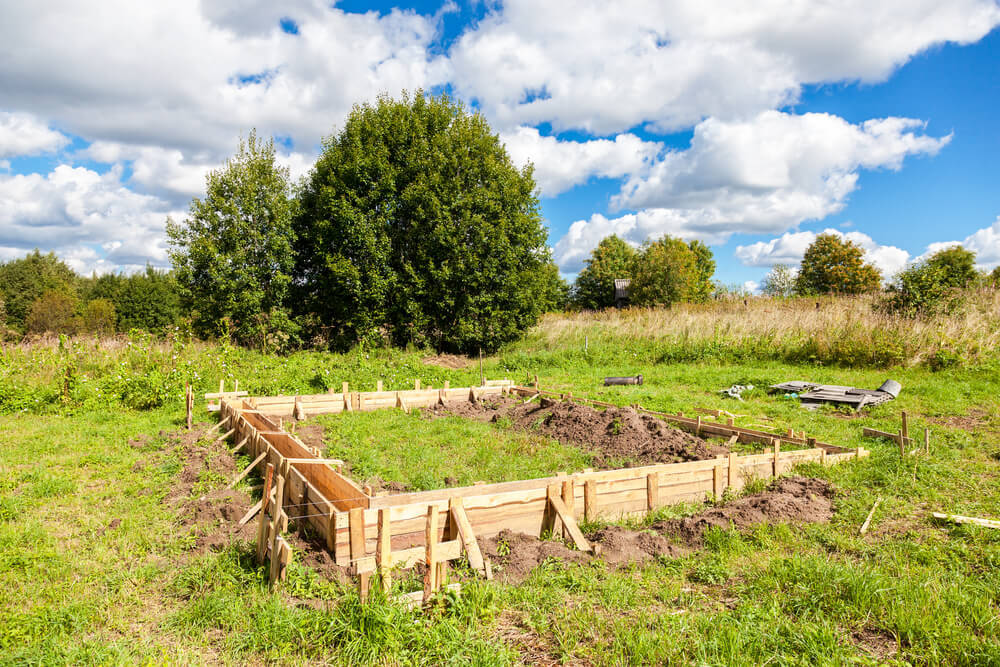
[
  {"x": 617, "y": 437},
  {"x": 789, "y": 499}
]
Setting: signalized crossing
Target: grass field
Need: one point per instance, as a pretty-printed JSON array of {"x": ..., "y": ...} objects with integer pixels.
[{"x": 96, "y": 566}]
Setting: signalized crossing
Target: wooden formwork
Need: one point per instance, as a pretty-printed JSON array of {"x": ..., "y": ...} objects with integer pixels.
[{"x": 380, "y": 533}]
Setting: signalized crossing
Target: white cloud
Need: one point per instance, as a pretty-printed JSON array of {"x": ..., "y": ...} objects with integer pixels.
[
  {"x": 984, "y": 242},
  {"x": 74, "y": 211},
  {"x": 607, "y": 67},
  {"x": 23, "y": 134},
  {"x": 761, "y": 176},
  {"x": 560, "y": 165},
  {"x": 789, "y": 248}
]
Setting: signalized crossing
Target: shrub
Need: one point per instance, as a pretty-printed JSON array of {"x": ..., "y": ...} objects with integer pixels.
[
  {"x": 670, "y": 271},
  {"x": 53, "y": 312},
  {"x": 921, "y": 290},
  {"x": 99, "y": 317}
]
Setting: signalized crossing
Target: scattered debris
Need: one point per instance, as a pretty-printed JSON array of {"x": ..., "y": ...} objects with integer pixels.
[
  {"x": 736, "y": 391},
  {"x": 868, "y": 519},
  {"x": 985, "y": 523},
  {"x": 608, "y": 381},
  {"x": 813, "y": 394}
]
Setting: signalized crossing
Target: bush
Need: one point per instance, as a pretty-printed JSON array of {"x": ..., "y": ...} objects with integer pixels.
[
  {"x": 921, "y": 290},
  {"x": 53, "y": 312},
  {"x": 670, "y": 271},
  {"x": 99, "y": 317},
  {"x": 835, "y": 265}
]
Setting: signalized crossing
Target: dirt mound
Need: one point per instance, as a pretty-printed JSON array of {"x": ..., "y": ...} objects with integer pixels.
[
  {"x": 617, "y": 437},
  {"x": 447, "y": 361},
  {"x": 795, "y": 499},
  {"x": 801, "y": 499}
]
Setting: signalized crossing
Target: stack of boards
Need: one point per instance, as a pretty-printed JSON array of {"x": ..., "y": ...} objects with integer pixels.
[{"x": 813, "y": 394}]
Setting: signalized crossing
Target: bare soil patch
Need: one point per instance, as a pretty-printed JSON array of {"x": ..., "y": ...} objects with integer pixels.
[
  {"x": 791, "y": 499},
  {"x": 455, "y": 361},
  {"x": 976, "y": 419},
  {"x": 617, "y": 437}
]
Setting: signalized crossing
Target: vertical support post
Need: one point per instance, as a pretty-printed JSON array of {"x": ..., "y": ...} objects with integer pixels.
[
  {"x": 652, "y": 490},
  {"x": 590, "y": 500},
  {"x": 356, "y": 518},
  {"x": 568, "y": 500},
  {"x": 447, "y": 384},
  {"x": 482, "y": 377},
  {"x": 822, "y": 457},
  {"x": 697, "y": 428},
  {"x": 927, "y": 441},
  {"x": 344, "y": 389},
  {"x": 811, "y": 443},
  {"x": 430, "y": 539},
  {"x": 383, "y": 556},
  {"x": 777, "y": 454},
  {"x": 300, "y": 413},
  {"x": 222, "y": 387},
  {"x": 535, "y": 383},
  {"x": 189, "y": 404},
  {"x": 378, "y": 386},
  {"x": 331, "y": 533},
  {"x": 277, "y": 525},
  {"x": 416, "y": 384},
  {"x": 734, "y": 470},
  {"x": 904, "y": 426},
  {"x": 717, "y": 481}
]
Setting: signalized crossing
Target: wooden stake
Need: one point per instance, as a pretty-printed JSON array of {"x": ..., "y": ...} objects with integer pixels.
[
  {"x": 985, "y": 523},
  {"x": 217, "y": 426},
  {"x": 777, "y": 455},
  {"x": 356, "y": 518},
  {"x": 383, "y": 556},
  {"x": 569, "y": 523},
  {"x": 733, "y": 470},
  {"x": 652, "y": 490},
  {"x": 378, "y": 386},
  {"x": 268, "y": 478},
  {"x": 904, "y": 427},
  {"x": 868, "y": 519},
  {"x": 590, "y": 500},
  {"x": 567, "y": 498},
  {"x": 416, "y": 385},
  {"x": 300, "y": 412},
  {"x": 717, "y": 483},
  {"x": 246, "y": 471},
  {"x": 482, "y": 377},
  {"x": 239, "y": 446},
  {"x": 224, "y": 436},
  {"x": 927, "y": 441},
  {"x": 430, "y": 540},
  {"x": 189, "y": 404},
  {"x": 456, "y": 509}
]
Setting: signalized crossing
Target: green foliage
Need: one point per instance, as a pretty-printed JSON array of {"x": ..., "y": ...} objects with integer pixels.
[
  {"x": 54, "y": 312},
  {"x": 148, "y": 300},
  {"x": 669, "y": 271},
  {"x": 780, "y": 281},
  {"x": 24, "y": 281},
  {"x": 416, "y": 226},
  {"x": 554, "y": 291},
  {"x": 922, "y": 290},
  {"x": 99, "y": 317},
  {"x": 835, "y": 265},
  {"x": 957, "y": 266},
  {"x": 233, "y": 255},
  {"x": 595, "y": 284},
  {"x": 994, "y": 278}
]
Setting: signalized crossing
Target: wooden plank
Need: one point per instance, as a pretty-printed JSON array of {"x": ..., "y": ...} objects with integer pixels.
[
  {"x": 868, "y": 519},
  {"x": 569, "y": 523},
  {"x": 590, "y": 499},
  {"x": 718, "y": 485},
  {"x": 467, "y": 535},
  {"x": 246, "y": 471},
  {"x": 985, "y": 523},
  {"x": 224, "y": 436}
]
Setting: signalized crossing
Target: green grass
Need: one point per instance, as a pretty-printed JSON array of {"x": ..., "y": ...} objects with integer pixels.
[
  {"x": 423, "y": 453},
  {"x": 73, "y": 590}
]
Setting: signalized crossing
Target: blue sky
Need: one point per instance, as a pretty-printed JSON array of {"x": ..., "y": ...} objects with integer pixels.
[{"x": 752, "y": 128}]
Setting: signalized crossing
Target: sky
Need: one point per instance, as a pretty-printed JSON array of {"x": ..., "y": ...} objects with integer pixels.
[{"x": 750, "y": 126}]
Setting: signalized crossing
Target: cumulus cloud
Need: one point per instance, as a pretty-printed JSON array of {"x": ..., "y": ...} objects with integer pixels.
[
  {"x": 84, "y": 216},
  {"x": 606, "y": 67},
  {"x": 789, "y": 248},
  {"x": 984, "y": 242},
  {"x": 764, "y": 175},
  {"x": 560, "y": 165},
  {"x": 23, "y": 134}
]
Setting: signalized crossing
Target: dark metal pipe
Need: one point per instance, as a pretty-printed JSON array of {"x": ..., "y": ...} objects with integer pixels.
[{"x": 622, "y": 380}]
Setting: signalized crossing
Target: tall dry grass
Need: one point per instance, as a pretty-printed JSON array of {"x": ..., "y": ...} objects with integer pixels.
[{"x": 841, "y": 330}]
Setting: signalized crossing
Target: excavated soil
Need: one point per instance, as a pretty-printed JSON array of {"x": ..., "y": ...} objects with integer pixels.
[
  {"x": 789, "y": 499},
  {"x": 617, "y": 437}
]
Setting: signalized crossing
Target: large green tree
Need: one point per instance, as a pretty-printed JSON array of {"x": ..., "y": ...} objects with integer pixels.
[
  {"x": 780, "y": 281},
  {"x": 700, "y": 288},
  {"x": 836, "y": 265},
  {"x": 23, "y": 281},
  {"x": 595, "y": 284},
  {"x": 415, "y": 226},
  {"x": 666, "y": 273},
  {"x": 233, "y": 254}
]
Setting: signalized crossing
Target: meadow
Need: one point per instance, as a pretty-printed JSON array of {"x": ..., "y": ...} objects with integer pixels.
[{"x": 96, "y": 565}]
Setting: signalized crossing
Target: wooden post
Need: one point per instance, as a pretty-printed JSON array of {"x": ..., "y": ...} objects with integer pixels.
[
  {"x": 189, "y": 404},
  {"x": 378, "y": 386},
  {"x": 331, "y": 533},
  {"x": 734, "y": 470},
  {"x": 430, "y": 540},
  {"x": 383, "y": 557},
  {"x": 717, "y": 483},
  {"x": 590, "y": 500},
  {"x": 482, "y": 377},
  {"x": 904, "y": 427},
  {"x": 300, "y": 412},
  {"x": 777, "y": 454},
  {"x": 652, "y": 490},
  {"x": 356, "y": 518},
  {"x": 276, "y": 525},
  {"x": 536, "y": 383},
  {"x": 416, "y": 384},
  {"x": 927, "y": 441},
  {"x": 222, "y": 387},
  {"x": 567, "y": 497},
  {"x": 697, "y": 428},
  {"x": 447, "y": 384}
]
